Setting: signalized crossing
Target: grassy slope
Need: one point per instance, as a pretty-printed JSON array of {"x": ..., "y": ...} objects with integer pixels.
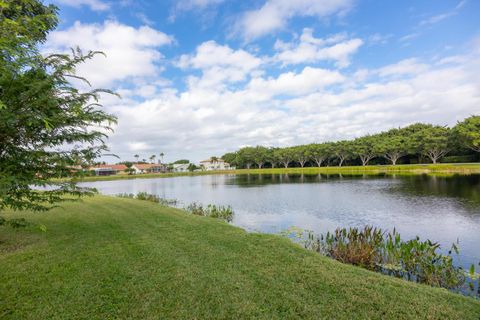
[
  {"x": 443, "y": 168},
  {"x": 120, "y": 258}
]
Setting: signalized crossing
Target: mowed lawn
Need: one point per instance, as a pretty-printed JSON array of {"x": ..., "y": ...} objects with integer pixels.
[{"x": 112, "y": 258}]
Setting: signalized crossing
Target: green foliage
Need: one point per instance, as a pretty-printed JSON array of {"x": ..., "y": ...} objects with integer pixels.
[
  {"x": 149, "y": 197},
  {"x": 468, "y": 132},
  {"x": 192, "y": 167},
  {"x": 182, "y": 161},
  {"x": 220, "y": 212},
  {"x": 47, "y": 126},
  {"x": 385, "y": 252},
  {"x": 417, "y": 141}
]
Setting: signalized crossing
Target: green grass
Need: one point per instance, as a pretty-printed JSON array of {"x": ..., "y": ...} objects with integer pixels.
[
  {"x": 114, "y": 258},
  {"x": 406, "y": 169}
]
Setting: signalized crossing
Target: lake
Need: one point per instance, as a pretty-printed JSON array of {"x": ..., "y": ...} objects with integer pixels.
[{"x": 443, "y": 209}]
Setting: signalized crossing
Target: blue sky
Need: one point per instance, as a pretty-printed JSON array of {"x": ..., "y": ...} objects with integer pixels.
[{"x": 203, "y": 77}]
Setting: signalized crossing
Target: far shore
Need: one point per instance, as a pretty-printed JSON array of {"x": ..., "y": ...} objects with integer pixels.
[{"x": 404, "y": 169}]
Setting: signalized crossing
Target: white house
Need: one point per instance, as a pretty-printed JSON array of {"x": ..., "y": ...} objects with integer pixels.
[
  {"x": 215, "y": 164},
  {"x": 180, "y": 167}
]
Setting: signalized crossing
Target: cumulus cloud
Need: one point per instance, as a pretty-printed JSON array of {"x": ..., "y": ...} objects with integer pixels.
[
  {"x": 297, "y": 107},
  {"x": 131, "y": 52},
  {"x": 95, "y": 5},
  {"x": 275, "y": 14},
  {"x": 308, "y": 49},
  {"x": 219, "y": 64}
]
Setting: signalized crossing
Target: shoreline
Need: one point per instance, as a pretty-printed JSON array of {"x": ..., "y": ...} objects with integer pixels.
[{"x": 444, "y": 169}]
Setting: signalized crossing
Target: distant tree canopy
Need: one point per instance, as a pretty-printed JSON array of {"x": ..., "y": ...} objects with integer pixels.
[
  {"x": 417, "y": 142},
  {"x": 48, "y": 128},
  {"x": 182, "y": 161}
]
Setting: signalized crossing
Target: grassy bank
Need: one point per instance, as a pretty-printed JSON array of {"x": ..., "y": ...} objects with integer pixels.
[
  {"x": 407, "y": 169},
  {"x": 108, "y": 258}
]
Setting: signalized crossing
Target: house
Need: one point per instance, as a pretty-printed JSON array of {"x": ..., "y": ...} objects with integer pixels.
[
  {"x": 215, "y": 164},
  {"x": 108, "y": 169},
  {"x": 180, "y": 167},
  {"x": 148, "y": 168}
]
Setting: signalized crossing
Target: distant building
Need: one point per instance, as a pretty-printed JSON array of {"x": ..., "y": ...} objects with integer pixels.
[
  {"x": 180, "y": 167},
  {"x": 108, "y": 169},
  {"x": 148, "y": 168},
  {"x": 215, "y": 164}
]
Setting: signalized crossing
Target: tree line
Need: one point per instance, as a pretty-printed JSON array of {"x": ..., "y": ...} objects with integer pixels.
[{"x": 415, "y": 143}]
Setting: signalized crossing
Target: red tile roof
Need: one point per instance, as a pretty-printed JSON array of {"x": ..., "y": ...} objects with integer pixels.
[
  {"x": 146, "y": 166},
  {"x": 116, "y": 167}
]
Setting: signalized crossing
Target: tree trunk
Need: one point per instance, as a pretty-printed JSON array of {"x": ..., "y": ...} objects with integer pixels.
[
  {"x": 260, "y": 165},
  {"x": 285, "y": 164},
  {"x": 302, "y": 163},
  {"x": 248, "y": 165},
  {"x": 319, "y": 162},
  {"x": 341, "y": 161}
]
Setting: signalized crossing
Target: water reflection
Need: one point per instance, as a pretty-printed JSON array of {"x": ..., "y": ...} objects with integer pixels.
[{"x": 443, "y": 209}]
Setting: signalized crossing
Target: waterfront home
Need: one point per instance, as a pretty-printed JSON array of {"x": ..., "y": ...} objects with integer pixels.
[
  {"x": 140, "y": 168},
  {"x": 180, "y": 167},
  {"x": 108, "y": 169},
  {"x": 215, "y": 164}
]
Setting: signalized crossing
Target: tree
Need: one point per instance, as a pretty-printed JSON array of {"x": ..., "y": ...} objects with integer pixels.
[
  {"x": 182, "y": 161},
  {"x": 245, "y": 157},
  {"x": 468, "y": 133},
  {"x": 273, "y": 157},
  {"x": 230, "y": 158},
  {"x": 136, "y": 157},
  {"x": 260, "y": 156},
  {"x": 365, "y": 148},
  {"x": 320, "y": 152},
  {"x": 161, "y": 157},
  {"x": 301, "y": 154},
  {"x": 285, "y": 155},
  {"x": 47, "y": 126},
  {"x": 192, "y": 167},
  {"x": 342, "y": 150},
  {"x": 152, "y": 158},
  {"x": 392, "y": 145},
  {"x": 433, "y": 141}
]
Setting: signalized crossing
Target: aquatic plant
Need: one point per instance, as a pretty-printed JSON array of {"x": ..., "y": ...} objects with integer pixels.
[
  {"x": 220, "y": 212},
  {"x": 211, "y": 210},
  {"x": 378, "y": 250},
  {"x": 149, "y": 197}
]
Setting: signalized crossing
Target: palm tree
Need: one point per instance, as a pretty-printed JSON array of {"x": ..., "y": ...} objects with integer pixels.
[
  {"x": 161, "y": 157},
  {"x": 136, "y": 157},
  {"x": 152, "y": 158},
  {"x": 214, "y": 160}
]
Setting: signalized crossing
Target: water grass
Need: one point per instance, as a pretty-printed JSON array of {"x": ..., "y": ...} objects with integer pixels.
[{"x": 385, "y": 252}]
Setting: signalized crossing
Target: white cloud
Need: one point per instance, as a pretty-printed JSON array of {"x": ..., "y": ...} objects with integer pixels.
[
  {"x": 219, "y": 64},
  {"x": 440, "y": 17},
  {"x": 290, "y": 83},
  {"x": 131, "y": 52},
  {"x": 405, "y": 67},
  {"x": 309, "y": 49},
  {"x": 95, "y": 5},
  {"x": 275, "y": 14},
  {"x": 298, "y": 107}
]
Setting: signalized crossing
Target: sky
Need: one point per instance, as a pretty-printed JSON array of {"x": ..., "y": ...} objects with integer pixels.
[{"x": 199, "y": 78}]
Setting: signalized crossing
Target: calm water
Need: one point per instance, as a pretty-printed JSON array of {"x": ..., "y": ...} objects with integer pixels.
[{"x": 440, "y": 209}]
